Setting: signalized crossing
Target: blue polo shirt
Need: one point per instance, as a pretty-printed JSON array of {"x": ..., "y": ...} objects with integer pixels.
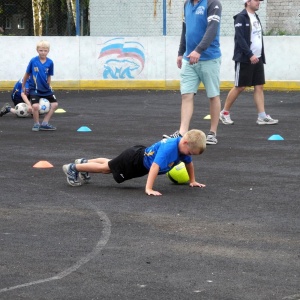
[
  {"x": 166, "y": 154},
  {"x": 38, "y": 82}
]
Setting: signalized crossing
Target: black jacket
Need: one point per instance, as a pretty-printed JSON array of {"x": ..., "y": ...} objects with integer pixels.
[{"x": 242, "y": 38}]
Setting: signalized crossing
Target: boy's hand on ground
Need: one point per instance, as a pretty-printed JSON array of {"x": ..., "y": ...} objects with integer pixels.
[
  {"x": 152, "y": 192},
  {"x": 195, "y": 183}
]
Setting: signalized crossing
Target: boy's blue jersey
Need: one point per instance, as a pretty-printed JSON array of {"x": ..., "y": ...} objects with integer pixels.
[
  {"x": 17, "y": 90},
  {"x": 39, "y": 73},
  {"x": 166, "y": 154}
]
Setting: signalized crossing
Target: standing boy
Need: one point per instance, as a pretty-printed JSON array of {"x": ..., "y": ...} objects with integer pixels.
[
  {"x": 138, "y": 161},
  {"x": 40, "y": 69},
  {"x": 249, "y": 57}
]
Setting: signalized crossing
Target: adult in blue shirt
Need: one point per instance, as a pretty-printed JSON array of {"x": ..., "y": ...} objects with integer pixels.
[{"x": 199, "y": 58}]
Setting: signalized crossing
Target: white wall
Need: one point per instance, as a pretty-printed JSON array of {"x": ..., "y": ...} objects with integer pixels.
[{"x": 77, "y": 63}]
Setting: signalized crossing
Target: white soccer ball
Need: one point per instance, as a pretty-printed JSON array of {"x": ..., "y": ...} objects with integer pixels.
[
  {"x": 44, "y": 106},
  {"x": 22, "y": 110}
]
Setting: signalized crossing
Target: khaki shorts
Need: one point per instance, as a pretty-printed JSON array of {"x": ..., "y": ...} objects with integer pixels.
[{"x": 207, "y": 72}]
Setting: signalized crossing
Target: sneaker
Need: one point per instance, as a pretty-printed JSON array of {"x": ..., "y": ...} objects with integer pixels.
[
  {"x": 72, "y": 175},
  {"x": 176, "y": 134},
  {"x": 211, "y": 139},
  {"x": 226, "y": 119},
  {"x": 47, "y": 127},
  {"x": 5, "y": 109},
  {"x": 266, "y": 121},
  {"x": 36, "y": 127},
  {"x": 83, "y": 175}
]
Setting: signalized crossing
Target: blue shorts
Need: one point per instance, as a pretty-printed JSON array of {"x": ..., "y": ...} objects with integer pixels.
[{"x": 207, "y": 72}]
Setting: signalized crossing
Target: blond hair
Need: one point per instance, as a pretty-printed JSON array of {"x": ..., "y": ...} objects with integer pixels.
[
  {"x": 43, "y": 44},
  {"x": 196, "y": 140}
]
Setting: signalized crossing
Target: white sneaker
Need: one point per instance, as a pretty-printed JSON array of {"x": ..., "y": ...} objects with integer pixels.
[
  {"x": 211, "y": 139},
  {"x": 174, "y": 135},
  {"x": 226, "y": 119},
  {"x": 266, "y": 121}
]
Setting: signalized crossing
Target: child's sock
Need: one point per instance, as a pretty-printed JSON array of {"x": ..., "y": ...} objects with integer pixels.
[
  {"x": 44, "y": 123},
  {"x": 73, "y": 167}
]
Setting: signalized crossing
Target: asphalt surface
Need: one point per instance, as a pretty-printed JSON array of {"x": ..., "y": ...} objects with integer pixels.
[{"x": 237, "y": 239}]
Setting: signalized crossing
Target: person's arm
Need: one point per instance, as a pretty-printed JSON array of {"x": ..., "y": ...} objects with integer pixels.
[
  {"x": 191, "y": 172},
  {"x": 239, "y": 26},
  {"x": 182, "y": 45},
  {"x": 214, "y": 12},
  {"x": 25, "y": 99},
  {"x": 50, "y": 74},
  {"x": 153, "y": 172},
  {"x": 25, "y": 78}
]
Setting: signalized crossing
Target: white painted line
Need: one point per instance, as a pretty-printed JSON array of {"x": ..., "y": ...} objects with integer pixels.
[{"x": 101, "y": 243}]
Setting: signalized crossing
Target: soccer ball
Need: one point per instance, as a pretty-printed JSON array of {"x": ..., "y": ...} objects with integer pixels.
[
  {"x": 44, "y": 106},
  {"x": 22, "y": 110},
  {"x": 179, "y": 174}
]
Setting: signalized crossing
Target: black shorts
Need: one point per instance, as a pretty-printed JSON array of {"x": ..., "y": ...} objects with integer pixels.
[
  {"x": 17, "y": 100},
  {"x": 36, "y": 99},
  {"x": 129, "y": 164},
  {"x": 247, "y": 74}
]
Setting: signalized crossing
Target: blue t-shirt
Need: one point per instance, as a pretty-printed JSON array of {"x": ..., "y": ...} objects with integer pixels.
[
  {"x": 196, "y": 19},
  {"x": 38, "y": 83},
  {"x": 17, "y": 90},
  {"x": 166, "y": 154}
]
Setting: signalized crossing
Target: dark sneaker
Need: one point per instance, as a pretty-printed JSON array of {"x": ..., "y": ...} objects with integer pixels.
[
  {"x": 72, "y": 175},
  {"x": 211, "y": 138},
  {"x": 174, "y": 135},
  {"x": 47, "y": 127},
  {"x": 36, "y": 127},
  {"x": 266, "y": 121},
  {"x": 84, "y": 176},
  {"x": 5, "y": 109}
]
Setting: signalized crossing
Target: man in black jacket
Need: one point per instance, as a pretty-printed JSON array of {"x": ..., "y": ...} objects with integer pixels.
[{"x": 249, "y": 57}]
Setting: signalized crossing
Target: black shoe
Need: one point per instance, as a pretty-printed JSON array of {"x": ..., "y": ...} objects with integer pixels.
[{"x": 5, "y": 109}]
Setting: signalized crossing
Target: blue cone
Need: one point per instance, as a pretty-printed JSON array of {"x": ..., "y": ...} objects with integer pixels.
[
  {"x": 275, "y": 137},
  {"x": 84, "y": 129}
]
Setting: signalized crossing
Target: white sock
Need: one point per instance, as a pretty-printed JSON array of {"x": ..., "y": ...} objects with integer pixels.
[{"x": 262, "y": 115}]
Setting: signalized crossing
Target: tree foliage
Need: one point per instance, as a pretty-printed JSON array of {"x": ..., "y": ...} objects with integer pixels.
[{"x": 47, "y": 17}]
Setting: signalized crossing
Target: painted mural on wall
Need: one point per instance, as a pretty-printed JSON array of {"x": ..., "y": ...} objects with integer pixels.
[{"x": 121, "y": 59}]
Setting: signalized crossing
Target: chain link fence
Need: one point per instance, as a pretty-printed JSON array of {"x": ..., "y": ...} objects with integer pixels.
[
  {"x": 149, "y": 18},
  {"x": 129, "y": 17}
]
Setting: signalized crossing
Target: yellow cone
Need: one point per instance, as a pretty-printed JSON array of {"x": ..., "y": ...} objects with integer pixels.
[{"x": 60, "y": 111}]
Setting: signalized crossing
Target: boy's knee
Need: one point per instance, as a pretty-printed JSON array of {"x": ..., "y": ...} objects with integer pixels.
[{"x": 54, "y": 105}]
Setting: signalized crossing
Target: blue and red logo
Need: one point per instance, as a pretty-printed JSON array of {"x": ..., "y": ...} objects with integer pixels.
[{"x": 122, "y": 59}]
